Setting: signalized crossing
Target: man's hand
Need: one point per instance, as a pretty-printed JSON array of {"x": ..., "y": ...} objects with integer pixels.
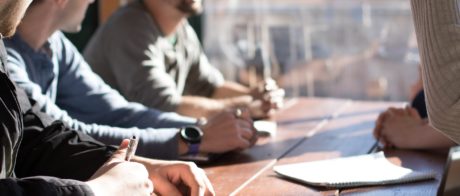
[
  {"x": 405, "y": 129},
  {"x": 400, "y": 127},
  {"x": 227, "y": 131},
  {"x": 267, "y": 98},
  {"x": 177, "y": 178},
  {"x": 120, "y": 177}
]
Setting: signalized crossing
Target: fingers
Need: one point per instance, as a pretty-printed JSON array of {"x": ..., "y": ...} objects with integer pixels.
[
  {"x": 272, "y": 100},
  {"x": 194, "y": 182},
  {"x": 246, "y": 115},
  {"x": 246, "y": 127},
  {"x": 121, "y": 152},
  {"x": 385, "y": 141},
  {"x": 165, "y": 187},
  {"x": 243, "y": 114},
  {"x": 195, "y": 179},
  {"x": 270, "y": 94},
  {"x": 243, "y": 143},
  {"x": 379, "y": 125},
  {"x": 274, "y": 95},
  {"x": 247, "y": 131}
]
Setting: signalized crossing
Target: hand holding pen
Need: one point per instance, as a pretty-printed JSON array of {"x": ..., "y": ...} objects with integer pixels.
[{"x": 119, "y": 176}]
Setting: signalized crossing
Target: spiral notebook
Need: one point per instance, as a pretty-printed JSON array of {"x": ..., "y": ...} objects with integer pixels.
[{"x": 363, "y": 170}]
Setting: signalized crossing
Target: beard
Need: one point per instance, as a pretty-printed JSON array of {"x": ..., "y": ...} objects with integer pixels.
[
  {"x": 10, "y": 16},
  {"x": 190, "y": 8}
]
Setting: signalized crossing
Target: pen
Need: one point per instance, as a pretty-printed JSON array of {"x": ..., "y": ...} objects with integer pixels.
[{"x": 132, "y": 146}]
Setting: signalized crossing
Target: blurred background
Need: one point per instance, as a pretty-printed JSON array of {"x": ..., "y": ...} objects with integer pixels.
[
  {"x": 336, "y": 48},
  {"x": 353, "y": 49}
]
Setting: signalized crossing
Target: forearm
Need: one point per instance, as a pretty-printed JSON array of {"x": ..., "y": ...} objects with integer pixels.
[
  {"x": 430, "y": 138},
  {"x": 230, "y": 89},
  {"x": 205, "y": 107},
  {"x": 199, "y": 106},
  {"x": 438, "y": 35}
]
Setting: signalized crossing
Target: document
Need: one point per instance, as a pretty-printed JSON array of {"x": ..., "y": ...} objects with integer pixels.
[{"x": 363, "y": 170}]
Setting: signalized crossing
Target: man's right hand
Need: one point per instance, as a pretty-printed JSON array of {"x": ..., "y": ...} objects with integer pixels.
[
  {"x": 120, "y": 177},
  {"x": 226, "y": 132}
]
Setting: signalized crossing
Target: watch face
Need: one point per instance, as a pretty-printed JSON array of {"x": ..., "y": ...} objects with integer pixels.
[{"x": 192, "y": 134}]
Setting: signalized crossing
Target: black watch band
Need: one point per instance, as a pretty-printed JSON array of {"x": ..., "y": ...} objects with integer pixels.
[{"x": 192, "y": 136}]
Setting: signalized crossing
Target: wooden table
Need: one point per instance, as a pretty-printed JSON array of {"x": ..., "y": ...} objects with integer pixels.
[{"x": 311, "y": 129}]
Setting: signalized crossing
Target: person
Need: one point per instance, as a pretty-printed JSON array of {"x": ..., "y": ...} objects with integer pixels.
[
  {"x": 438, "y": 64},
  {"x": 43, "y": 61},
  {"x": 408, "y": 128},
  {"x": 157, "y": 60},
  {"x": 41, "y": 157}
]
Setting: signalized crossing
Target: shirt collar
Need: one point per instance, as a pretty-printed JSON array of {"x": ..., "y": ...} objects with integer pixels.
[{"x": 23, "y": 46}]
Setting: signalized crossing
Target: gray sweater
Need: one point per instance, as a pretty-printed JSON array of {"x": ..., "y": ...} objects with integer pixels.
[
  {"x": 437, "y": 24},
  {"x": 133, "y": 56}
]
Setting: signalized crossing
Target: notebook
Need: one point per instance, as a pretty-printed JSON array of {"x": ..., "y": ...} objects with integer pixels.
[{"x": 363, "y": 170}]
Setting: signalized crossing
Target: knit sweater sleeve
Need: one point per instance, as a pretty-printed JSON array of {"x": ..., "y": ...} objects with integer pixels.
[{"x": 437, "y": 24}]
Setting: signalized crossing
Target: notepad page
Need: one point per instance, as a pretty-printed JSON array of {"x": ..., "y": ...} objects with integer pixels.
[{"x": 371, "y": 169}]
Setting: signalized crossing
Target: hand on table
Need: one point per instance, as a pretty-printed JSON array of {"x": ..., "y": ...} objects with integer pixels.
[
  {"x": 267, "y": 98},
  {"x": 177, "y": 177},
  {"x": 228, "y": 131},
  {"x": 399, "y": 127}
]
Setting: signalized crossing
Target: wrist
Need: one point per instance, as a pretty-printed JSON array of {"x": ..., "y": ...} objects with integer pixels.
[
  {"x": 183, "y": 148},
  {"x": 191, "y": 136}
]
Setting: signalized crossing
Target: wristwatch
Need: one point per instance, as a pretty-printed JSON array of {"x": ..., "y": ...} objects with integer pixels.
[{"x": 192, "y": 136}]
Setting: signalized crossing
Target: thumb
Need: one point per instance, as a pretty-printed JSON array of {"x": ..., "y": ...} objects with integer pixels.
[{"x": 120, "y": 154}]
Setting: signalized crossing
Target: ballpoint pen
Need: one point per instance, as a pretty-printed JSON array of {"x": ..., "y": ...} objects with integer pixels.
[{"x": 132, "y": 146}]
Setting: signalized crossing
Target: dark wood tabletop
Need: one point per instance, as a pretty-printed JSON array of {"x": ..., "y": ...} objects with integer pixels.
[{"x": 311, "y": 129}]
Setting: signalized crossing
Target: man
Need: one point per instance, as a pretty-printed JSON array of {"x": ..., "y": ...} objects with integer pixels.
[
  {"x": 42, "y": 159},
  {"x": 149, "y": 52},
  {"x": 436, "y": 26},
  {"x": 52, "y": 72}
]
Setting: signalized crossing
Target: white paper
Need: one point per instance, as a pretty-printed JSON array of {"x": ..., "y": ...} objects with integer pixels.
[
  {"x": 371, "y": 169},
  {"x": 265, "y": 127}
]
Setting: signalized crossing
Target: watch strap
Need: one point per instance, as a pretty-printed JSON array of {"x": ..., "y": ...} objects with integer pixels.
[{"x": 193, "y": 149}]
